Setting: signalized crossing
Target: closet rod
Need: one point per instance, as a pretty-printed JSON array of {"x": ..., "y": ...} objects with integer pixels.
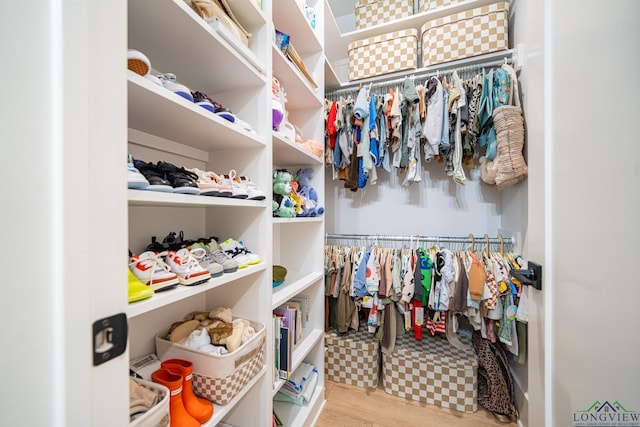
[
  {"x": 442, "y": 69},
  {"x": 418, "y": 238}
]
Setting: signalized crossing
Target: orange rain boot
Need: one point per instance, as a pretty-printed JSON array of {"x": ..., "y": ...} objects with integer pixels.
[
  {"x": 199, "y": 408},
  {"x": 178, "y": 414}
]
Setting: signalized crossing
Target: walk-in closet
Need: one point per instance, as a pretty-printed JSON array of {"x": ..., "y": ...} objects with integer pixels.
[{"x": 299, "y": 213}]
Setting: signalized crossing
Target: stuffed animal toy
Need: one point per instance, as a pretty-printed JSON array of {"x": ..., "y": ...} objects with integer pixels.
[
  {"x": 311, "y": 206},
  {"x": 282, "y": 204}
]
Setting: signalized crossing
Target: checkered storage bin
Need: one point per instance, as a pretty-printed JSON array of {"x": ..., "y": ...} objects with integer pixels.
[
  {"x": 462, "y": 35},
  {"x": 375, "y": 12},
  {"x": 432, "y": 371},
  {"x": 383, "y": 54},
  {"x": 352, "y": 358},
  {"x": 219, "y": 378},
  {"x": 430, "y": 5}
]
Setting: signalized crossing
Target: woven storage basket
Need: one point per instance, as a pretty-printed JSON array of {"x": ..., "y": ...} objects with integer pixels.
[
  {"x": 383, "y": 54},
  {"x": 219, "y": 378},
  {"x": 375, "y": 12},
  {"x": 463, "y": 35},
  {"x": 352, "y": 358},
  {"x": 158, "y": 416}
]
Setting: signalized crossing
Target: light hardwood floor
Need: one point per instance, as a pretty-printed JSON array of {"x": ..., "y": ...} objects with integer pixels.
[{"x": 350, "y": 406}]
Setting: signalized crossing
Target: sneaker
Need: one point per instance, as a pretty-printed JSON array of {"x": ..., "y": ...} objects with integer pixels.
[
  {"x": 213, "y": 249},
  {"x": 135, "y": 179},
  {"x": 173, "y": 241},
  {"x": 184, "y": 263},
  {"x": 206, "y": 260},
  {"x": 203, "y": 100},
  {"x": 254, "y": 193},
  {"x": 137, "y": 290},
  {"x": 138, "y": 62},
  {"x": 169, "y": 82},
  {"x": 253, "y": 258},
  {"x": 156, "y": 178},
  {"x": 151, "y": 270},
  {"x": 238, "y": 252},
  {"x": 224, "y": 187},
  {"x": 207, "y": 185},
  {"x": 182, "y": 181},
  {"x": 231, "y": 249},
  {"x": 237, "y": 191}
]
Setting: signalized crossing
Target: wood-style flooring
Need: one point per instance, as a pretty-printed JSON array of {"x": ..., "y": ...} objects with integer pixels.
[{"x": 351, "y": 406}]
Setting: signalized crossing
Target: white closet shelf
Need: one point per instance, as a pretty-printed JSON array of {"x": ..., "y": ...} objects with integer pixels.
[
  {"x": 162, "y": 299},
  {"x": 479, "y": 60},
  {"x": 309, "y": 339},
  {"x": 169, "y": 24},
  {"x": 296, "y": 415},
  {"x": 158, "y": 198},
  {"x": 296, "y": 281},
  {"x": 331, "y": 79},
  {"x": 221, "y": 411},
  {"x": 287, "y": 153},
  {"x": 156, "y": 110},
  {"x": 289, "y": 18},
  {"x": 248, "y": 13},
  {"x": 277, "y": 385},
  {"x": 337, "y": 43},
  {"x": 300, "y": 94},
  {"x": 297, "y": 220}
]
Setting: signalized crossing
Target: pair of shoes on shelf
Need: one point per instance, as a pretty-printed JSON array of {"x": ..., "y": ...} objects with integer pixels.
[
  {"x": 164, "y": 270},
  {"x": 164, "y": 177},
  {"x": 213, "y": 259},
  {"x": 212, "y": 184},
  {"x": 239, "y": 253},
  {"x": 203, "y": 100}
]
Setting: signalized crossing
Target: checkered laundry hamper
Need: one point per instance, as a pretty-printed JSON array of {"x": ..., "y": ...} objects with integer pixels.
[
  {"x": 463, "y": 35},
  {"x": 352, "y": 358},
  {"x": 383, "y": 54},
  {"x": 432, "y": 371},
  {"x": 219, "y": 377},
  {"x": 375, "y": 12}
]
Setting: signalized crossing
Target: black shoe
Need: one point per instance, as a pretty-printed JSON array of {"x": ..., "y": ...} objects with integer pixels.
[
  {"x": 156, "y": 178},
  {"x": 182, "y": 180}
]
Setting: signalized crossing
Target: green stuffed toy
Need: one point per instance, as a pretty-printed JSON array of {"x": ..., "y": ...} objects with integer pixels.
[{"x": 283, "y": 205}]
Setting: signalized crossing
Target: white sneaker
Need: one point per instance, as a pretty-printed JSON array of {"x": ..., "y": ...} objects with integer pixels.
[
  {"x": 238, "y": 192},
  {"x": 254, "y": 193},
  {"x": 151, "y": 270},
  {"x": 231, "y": 248},
  {"x": 135, "y": 179},
  {"x": 184, "y": 263},
  {"x": 253, "y": 258},
  {"x": 207, "y": 186}
]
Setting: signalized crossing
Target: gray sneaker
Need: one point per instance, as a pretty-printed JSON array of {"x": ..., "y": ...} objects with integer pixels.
[
  {"x": 213, "y": 251},
  {"x": 208, "y": 262}
]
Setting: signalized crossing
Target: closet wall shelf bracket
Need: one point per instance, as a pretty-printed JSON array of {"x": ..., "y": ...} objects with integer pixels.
[{"x": 532, "y": 276}]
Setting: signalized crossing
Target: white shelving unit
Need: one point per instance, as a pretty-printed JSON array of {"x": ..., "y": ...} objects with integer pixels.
[
  {"x": 164, "y": 126},
  {"x": 298, "y": 243}
]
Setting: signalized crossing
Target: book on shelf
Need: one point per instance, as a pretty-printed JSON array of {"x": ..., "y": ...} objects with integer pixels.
[
  {"x": 299, "y": 63},
  {"x": 289, "y": 320},
  {"x": 303, "y": 301},
  {"x": 296, "y": 306},
  {"x": 276, "y": 344},
  {"x": 285, "y": 353}
]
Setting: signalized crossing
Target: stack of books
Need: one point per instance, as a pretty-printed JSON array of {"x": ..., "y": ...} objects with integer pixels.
[{"x": 283, "y": 41}]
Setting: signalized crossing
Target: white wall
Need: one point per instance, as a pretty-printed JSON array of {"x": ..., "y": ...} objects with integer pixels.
[
  {"x": 594, "y": 189},
  {"x": 436, "y": 206}
]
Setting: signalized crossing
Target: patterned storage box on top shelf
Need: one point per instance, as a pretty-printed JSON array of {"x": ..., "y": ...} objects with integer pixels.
[
  {"x": 383, "y": 54},
  {"x": 375, "y": 12},
  {"x": 352, "y": 358},
  {"x": 430, "y": 5},
  {"x": 432, "y": 371},
  {"x": 462, "y": 35}
]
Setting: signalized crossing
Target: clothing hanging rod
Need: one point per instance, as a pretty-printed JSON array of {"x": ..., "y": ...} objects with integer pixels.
[
  {"x": 426, "y": 239},
  {"x": 505, "y": 57}
]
